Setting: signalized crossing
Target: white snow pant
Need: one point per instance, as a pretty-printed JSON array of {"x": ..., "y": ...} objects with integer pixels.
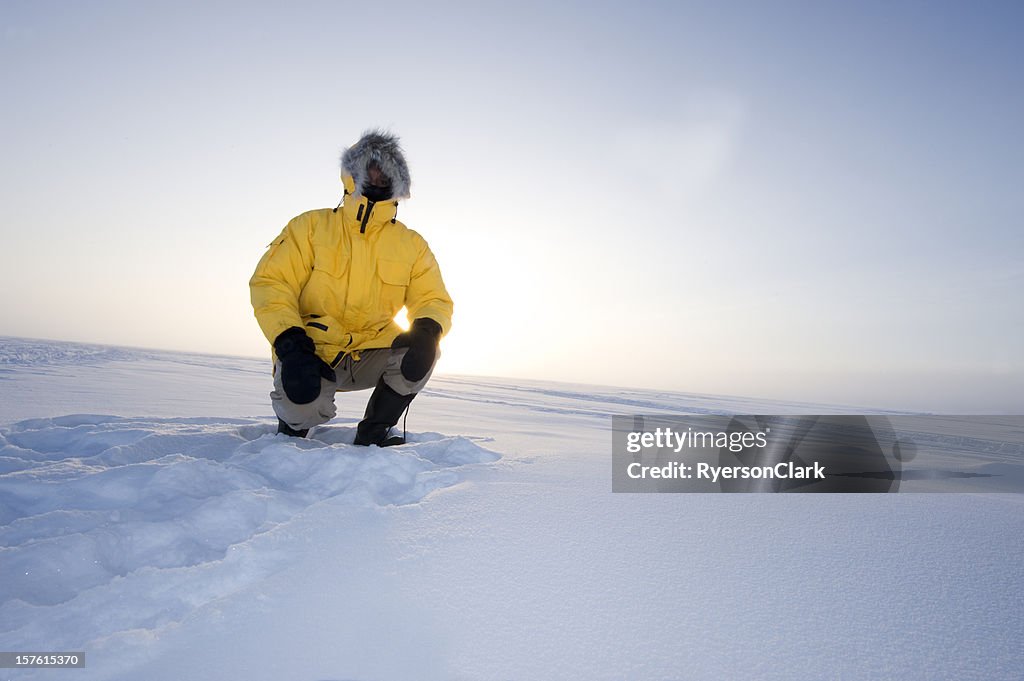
[{"x": 352, "y": 375}]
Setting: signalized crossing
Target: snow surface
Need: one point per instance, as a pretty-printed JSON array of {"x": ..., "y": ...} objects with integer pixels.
[{"x": 151, "y": 517}]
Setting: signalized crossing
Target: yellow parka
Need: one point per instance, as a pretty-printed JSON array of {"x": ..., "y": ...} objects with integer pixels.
[{"x": 343, "y": 274}]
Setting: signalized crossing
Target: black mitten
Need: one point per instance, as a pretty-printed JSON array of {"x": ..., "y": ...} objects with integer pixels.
[
  {"x": 301, "y": 368},
  {"x": 421, "y": 339}
]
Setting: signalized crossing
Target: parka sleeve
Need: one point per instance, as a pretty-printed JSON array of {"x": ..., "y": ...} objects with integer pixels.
[
  {"x": 280, "y": 277},
  {"x": 427, "y": 295}
]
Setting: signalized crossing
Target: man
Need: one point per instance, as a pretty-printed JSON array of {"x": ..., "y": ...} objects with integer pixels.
[{"x": 327, "y": 290}]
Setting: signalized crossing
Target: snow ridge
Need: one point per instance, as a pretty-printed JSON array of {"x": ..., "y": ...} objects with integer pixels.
[
  {"x": 96, "y": 507},
  {"x": 19, "y": 353}
]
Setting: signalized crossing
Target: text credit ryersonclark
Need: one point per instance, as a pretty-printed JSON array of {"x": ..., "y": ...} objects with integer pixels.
[{"x": 705, "y": 471}]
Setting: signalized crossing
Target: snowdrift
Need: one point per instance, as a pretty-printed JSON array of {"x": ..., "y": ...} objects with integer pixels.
[{"x": 142, "y": 518}]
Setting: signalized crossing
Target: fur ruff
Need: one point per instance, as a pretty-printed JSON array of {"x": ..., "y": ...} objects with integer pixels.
[{"x": 382, "y": 147}]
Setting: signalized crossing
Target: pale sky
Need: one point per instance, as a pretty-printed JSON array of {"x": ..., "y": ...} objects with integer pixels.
[{"x": 811, "y": 201}]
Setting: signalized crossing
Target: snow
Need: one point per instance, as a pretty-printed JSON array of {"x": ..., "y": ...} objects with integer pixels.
[{"x": 151, "y": 517}]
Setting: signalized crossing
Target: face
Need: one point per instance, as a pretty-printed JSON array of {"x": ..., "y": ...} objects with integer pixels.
[{"x": 376, "y": 178}]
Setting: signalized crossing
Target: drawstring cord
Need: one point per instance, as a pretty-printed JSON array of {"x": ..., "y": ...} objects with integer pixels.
[
  {"x": 405, "y": 434},
  {"x": 340, "y": 202}
]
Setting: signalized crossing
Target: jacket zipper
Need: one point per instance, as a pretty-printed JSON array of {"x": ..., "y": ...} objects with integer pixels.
[{"x": 366, "y": 216}]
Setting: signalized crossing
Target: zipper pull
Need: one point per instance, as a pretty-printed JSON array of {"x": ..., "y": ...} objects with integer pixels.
[{"x": 366, "y": 218}]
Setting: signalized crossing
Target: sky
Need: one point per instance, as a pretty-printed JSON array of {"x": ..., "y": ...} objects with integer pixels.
[{"x": 797, "y": 200}]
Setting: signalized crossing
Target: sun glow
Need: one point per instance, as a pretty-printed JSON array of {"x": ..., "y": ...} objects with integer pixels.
[{"x": 402, "y": 319}]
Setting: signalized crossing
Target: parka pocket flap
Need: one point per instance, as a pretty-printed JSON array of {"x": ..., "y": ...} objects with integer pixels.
[
  {"x": 394, "y": 273},
  {"x": 330, "y": 261}
]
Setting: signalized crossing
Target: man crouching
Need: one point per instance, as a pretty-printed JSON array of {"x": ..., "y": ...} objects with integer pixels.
[{"x": 326, "y": 293}]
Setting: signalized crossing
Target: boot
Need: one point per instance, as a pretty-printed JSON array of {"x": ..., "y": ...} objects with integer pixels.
[
  {"x": 283, "y": 427},
  {"x": 383, "y": 410}
]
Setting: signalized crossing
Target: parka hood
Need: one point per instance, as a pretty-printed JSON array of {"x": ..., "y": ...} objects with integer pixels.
[{"x": 383, "y": 148}]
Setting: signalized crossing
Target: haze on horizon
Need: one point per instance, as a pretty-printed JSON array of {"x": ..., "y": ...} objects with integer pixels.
[{"x": 793, "y": 201}]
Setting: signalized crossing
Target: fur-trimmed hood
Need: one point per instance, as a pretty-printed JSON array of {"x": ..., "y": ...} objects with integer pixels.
[{"x": 384, "y": 148}]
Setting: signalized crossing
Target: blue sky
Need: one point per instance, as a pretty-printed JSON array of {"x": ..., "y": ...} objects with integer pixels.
[{"x": 798, "y": 200}]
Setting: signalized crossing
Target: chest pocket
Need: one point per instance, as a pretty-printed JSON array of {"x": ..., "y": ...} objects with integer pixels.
[
  {"x": 394, "y": 280},
  {"x": 330, "y": 261}
]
